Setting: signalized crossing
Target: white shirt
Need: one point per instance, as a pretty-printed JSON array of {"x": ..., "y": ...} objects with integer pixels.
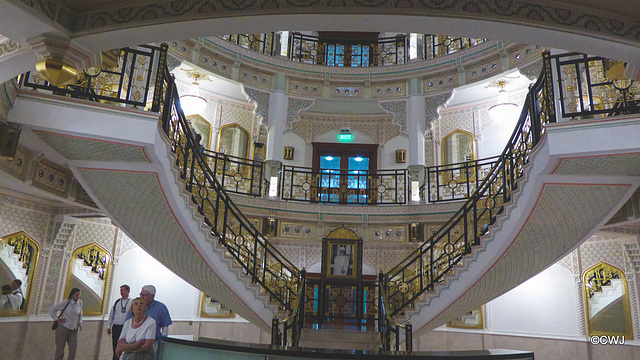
[
  {"x": 10, "y": 302},
  {"x": 73, "y": 313},
  {"x": 119, "y": 312},
  {"x": 146, "y": 331}
]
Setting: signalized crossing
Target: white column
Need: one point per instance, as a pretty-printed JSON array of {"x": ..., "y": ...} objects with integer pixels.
[
  {"x": 278, "y": 104},
  {"x": 415, "y": 123}
]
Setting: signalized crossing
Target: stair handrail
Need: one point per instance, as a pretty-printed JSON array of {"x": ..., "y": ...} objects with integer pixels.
[
  {"x": 247, "y": 246},
  {"x": 231, "y": 181},
  {"x": 294, "y": 323},
  {"x": 427, "y": 265}
]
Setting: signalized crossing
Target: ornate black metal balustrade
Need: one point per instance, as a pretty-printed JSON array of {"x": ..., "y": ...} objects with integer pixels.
[
  {"x": 142, "y": 79},
  {"x": 343, "y": 186},
  {"x": 420, "y": 271},
  {"x": 135, "y": 81},
  {"x": 440, "y": 45},
  {"x": 315, "y": 50},
  {"x": 245, "y": 244},
  {"x": 263, "y": 43},
  {"x": 235, "y": 174},
  {"x": 457, "y": 181},
  {"x": 584, "y": 90}
]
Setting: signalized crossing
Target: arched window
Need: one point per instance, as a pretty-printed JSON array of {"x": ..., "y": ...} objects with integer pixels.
[
  {"x": 88, "y": 271},
  {"x": 607, "y": 301},
  {"x": 457, "y": 147},
  {"x": 234, "y": 140},
  {"x": 18, "y": 262},
  {"x": 202, "y": 127}
]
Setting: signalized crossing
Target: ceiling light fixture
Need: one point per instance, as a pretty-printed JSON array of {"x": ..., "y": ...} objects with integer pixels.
[
  {"x": 503, "y": 109},
  {"x": 193, "y": 103}
]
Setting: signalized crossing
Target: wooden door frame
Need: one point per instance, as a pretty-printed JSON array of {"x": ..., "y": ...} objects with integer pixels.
[{"x": 324, "y": 149}]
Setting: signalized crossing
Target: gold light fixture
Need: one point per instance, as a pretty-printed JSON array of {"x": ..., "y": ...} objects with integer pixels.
[
  {"x": 193, "y": 103},
  {"x": 57, "y": 71},
  {"x": 503, "y": 109}
]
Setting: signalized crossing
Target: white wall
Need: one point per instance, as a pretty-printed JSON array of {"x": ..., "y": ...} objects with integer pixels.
[
  {"x": 399, "y": 142},
  {"x": 136, "y": 268},
  {"x": 332, "y": 137},
  {"x": 300, "y": 150},
  {"x": 546, "y": 304}
]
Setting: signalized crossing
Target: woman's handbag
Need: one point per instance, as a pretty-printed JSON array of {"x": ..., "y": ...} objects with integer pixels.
[{"x": 55, "y": 322}]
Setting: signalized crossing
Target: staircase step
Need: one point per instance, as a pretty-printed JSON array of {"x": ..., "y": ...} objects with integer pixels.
[{"x": 340, "y": 339}]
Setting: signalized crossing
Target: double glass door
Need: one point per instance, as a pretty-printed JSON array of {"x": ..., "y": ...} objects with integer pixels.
[{"x": 344, "y": 172}]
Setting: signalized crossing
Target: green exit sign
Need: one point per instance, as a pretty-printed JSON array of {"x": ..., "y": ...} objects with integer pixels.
[{"x": 345, "y": 137}]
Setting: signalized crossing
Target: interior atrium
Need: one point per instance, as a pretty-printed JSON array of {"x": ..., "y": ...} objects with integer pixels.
[{"x": 467, "y": 191}]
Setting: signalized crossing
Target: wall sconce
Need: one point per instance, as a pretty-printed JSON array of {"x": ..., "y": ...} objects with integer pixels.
[
  {"x": 288, "y": 152},
  {"x": 9, "y": 137},
  {"x": 271, "y": 227},
  {"x": 414, "y": 232},
  {"x": 401, "y": 156}
]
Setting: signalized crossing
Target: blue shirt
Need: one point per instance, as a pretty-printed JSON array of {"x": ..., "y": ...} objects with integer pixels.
[{"x": 158, "y": 312}]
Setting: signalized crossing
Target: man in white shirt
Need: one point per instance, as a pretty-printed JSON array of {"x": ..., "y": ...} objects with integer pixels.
[
  {"x": 17, "y": 291},
  {"x": 117, "y": 317},
  {"x": 9, "y": 303}
]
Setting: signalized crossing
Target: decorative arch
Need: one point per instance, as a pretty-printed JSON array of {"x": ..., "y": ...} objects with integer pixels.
[
  {"x": 19, "y": 254},
  {"x": 234, "y": 140},
  {"x": 89, "y": 271},
  {"x": 458, "y": 146},
  {"x": 342, "y": 233},
  {"x": 607, "y": 301}
]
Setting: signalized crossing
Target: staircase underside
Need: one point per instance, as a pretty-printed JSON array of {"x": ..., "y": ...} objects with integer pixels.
[{"x": 577, "y": 179}]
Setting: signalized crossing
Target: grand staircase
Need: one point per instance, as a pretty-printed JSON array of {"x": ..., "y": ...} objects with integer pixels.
[{"x": 555, "y": 185}]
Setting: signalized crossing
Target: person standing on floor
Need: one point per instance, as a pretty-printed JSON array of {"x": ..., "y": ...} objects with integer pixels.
[
  {"x": 117, "y": 317},
  {"x": 68, "y": 314},
  {"x": 156, "y": 310},
  {"x": 138, "y": 335}
]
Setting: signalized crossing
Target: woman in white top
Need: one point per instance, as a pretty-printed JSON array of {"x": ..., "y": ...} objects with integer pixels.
[
  {"x": 68, "y": 314},
  {"x": 138, "y": 334}
]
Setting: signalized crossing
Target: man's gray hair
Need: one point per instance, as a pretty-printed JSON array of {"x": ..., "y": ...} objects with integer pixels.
[{"x": 150, "y": 289}]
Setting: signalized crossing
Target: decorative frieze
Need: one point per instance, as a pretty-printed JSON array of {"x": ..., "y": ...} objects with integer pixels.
[
  {"x": 394, "y": 90},
  {"x": 305, "y": 88}
]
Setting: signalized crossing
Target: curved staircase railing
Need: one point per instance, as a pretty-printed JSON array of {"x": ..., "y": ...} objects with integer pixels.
[
  {"x": 403, "y": 285},
  {"x": 249, "y": 250},
  {"x": 427, "y": 265}
]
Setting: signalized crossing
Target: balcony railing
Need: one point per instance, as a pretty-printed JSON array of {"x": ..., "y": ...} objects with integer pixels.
[
  {"x": 585, "y": 91},
  {"x": 235, "y": 174},
  {"x": 134, "y": 81},
  {"x": 262, "y": 43},
  {"x": 311, "y": 49},
  {"x": 319, "y": 51},
  {"x": 344, "y": 186},
  {"x": 440, "y": 45},
  {"x": 457, "y": 181},
  {"x": 486, "y": 191}
]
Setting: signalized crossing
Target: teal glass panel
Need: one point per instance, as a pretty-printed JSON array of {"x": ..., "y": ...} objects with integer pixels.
[
  {"x": 357, "y": 179},
  {"x": 329, "y": 178}
]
